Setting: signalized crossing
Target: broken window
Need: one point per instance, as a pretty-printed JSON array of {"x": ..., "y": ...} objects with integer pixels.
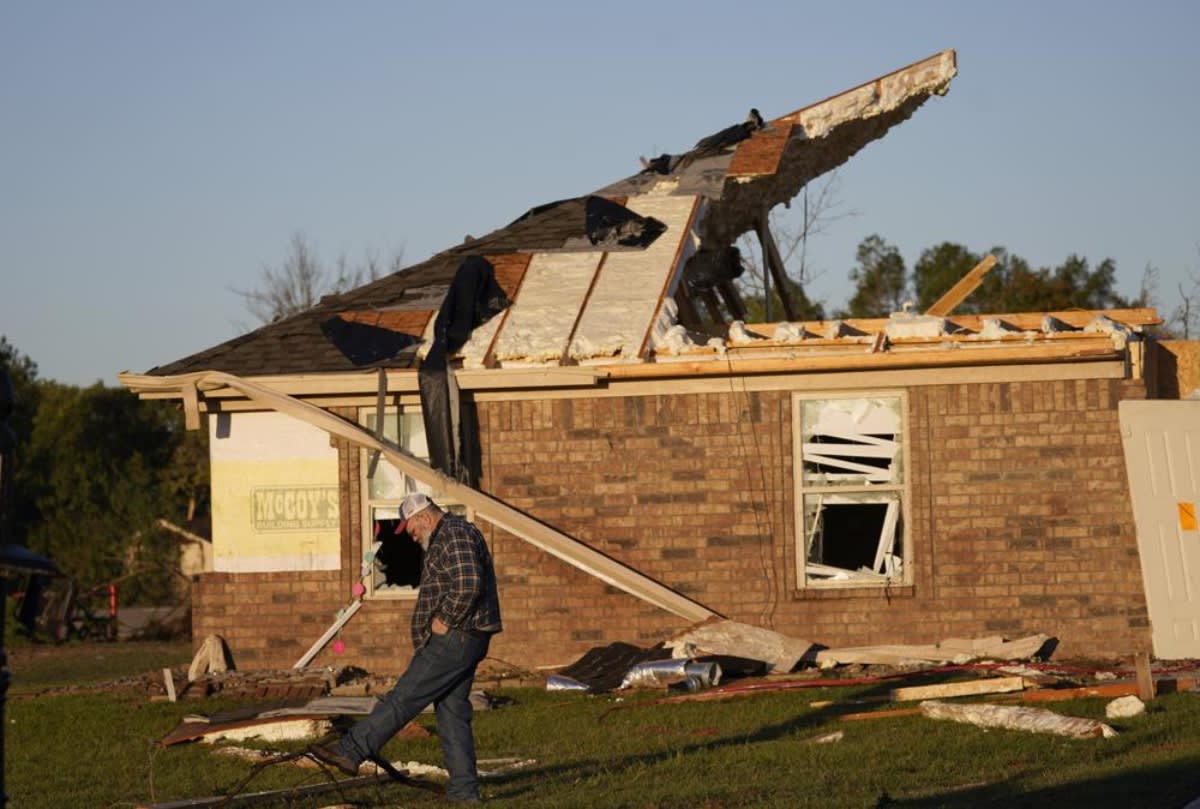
[
  {"x": 392, "y": 562},
  {"x": 851, "y": 489}
]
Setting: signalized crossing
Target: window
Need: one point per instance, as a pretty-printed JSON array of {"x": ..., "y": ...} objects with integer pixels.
[
  {"x": 850, "y": 490},
  {"x": 392, "y": 564}
]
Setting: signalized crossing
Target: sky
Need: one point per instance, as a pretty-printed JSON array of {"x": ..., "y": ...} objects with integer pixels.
[{"x": 155, "y": 157}]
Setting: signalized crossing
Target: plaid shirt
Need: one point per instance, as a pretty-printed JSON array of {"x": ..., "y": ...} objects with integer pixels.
[{"x": 458, "y": 583}]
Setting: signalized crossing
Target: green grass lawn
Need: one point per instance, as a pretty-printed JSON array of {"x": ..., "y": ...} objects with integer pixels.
[{"x": 99, "y": 750}]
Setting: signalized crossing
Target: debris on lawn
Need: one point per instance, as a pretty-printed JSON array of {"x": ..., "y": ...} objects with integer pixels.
[
  {"x": 488, "y": 767},
  {"x": 1125, "y": 707},
  {"x": 289, "y": 722},
  {"x": 677, "y": 671},
  {"x": 826, "y": 738},
  {"x": 951, "y": 650},
  {"x": 212, "y": 656},
  {"x": 718, "y": 636},
  {"x": 990, "y": 685},
  {"x": 1034, "y": 720}
]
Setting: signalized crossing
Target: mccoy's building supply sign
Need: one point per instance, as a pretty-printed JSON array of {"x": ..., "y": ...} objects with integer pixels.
[
  {"x": 275, "y": 494},
  {"x": 295, "y": 508}
]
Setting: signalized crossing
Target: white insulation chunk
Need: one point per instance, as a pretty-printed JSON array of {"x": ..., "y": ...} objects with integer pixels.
[
  {"x": 1034, "y": 720},
  {"x": 541, "y": 318}
]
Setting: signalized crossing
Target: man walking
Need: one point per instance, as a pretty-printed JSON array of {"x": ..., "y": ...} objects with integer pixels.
[{"x": 457, "y": 613}]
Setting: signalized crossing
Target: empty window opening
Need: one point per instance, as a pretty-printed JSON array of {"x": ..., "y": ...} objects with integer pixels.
[
  {"x": 398, "y": 557},
  {"x": 392, "y": 562},
  {"x": 851, "y": 489}
]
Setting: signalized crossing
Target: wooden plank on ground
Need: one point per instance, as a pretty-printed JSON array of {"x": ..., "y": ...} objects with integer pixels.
[
  {"x": 989, "y": 685},
  {"x": 888, "y": 714},
  {"x": 1108, "y": 690}
]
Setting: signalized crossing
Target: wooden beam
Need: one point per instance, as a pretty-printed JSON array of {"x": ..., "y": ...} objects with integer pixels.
[
  {"x": 733, "y": 300},
  {"x": 775, "y": 264},
  {"x": 713, "y": 304},
  {"x": 498, "y": 513},
  {"x": 989, "y": 685},
  {"x": 1023, "y": 321},
  {"x": 965, "y": 286},
  {"x": 807, "y": 363},
  {"x": 1145, "y": 680},
  {"x": 1104, "y": 691},
  {"x": 689, "y": 315}
]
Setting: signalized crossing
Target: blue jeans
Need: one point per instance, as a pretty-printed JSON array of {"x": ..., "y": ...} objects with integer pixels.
[{"x": 441, "y": 673}]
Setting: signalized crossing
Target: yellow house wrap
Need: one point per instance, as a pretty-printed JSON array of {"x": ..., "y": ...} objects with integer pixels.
[{"x": 275, "y": 494}]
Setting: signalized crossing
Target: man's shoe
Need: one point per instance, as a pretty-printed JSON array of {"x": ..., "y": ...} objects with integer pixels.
[{"x": 331, "y": 756}]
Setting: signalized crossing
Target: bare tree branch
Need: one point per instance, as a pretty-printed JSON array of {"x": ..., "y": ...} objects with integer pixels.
[{"x": 301, "y": 280}]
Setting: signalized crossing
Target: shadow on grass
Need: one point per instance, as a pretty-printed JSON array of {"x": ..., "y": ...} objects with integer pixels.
[
  {"x": 1170, "y": 785},
  {"x": 524, "y": 781},
  {"x": 1166, "y": 786}
]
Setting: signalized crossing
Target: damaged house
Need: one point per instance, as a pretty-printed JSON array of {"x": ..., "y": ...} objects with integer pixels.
[{"x": 581, "y": 384}]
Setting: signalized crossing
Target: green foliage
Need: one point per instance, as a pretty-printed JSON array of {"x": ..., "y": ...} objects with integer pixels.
[
  {"x": 96, "y": 472},
  {"x": 880, "y": 279},
  {"x": 1011, "y": 286},
  {"x": 23, "y": 373}
]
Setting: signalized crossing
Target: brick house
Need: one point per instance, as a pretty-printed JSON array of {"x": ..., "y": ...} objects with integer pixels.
[{"x": 638, "y": 459}]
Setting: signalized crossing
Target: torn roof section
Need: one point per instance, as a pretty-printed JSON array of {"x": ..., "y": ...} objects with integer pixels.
[
  {"x": 595, "y": 280},
  {"x": 781, "y": 156}
]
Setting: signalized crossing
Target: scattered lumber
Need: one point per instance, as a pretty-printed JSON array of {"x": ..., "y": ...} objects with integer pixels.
[
  {"x": 1034, "y": 720},
  {"x": 988, "y": 685},
  {"x": 888, "y": 714},
  {"x": 1106, "y": 690}
]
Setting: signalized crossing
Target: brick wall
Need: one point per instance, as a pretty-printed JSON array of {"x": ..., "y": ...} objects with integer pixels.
[{"x": 1019, "y": 511}]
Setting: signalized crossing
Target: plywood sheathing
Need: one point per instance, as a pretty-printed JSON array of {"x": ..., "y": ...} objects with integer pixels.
[
  {"x": 819, "y": 137},
  {"x": 412, "y": 323},
  {"x": 510, "y": 271},
  {"x": 1176, "y": 369}
]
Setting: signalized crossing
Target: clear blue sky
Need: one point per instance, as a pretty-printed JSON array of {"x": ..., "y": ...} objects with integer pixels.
[{"x": 155, "y": 155}]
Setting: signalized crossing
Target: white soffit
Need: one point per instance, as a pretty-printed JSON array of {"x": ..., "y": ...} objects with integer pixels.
[
  {"x": 629, "y": 289},
  {"x": 540, "y": 320}
]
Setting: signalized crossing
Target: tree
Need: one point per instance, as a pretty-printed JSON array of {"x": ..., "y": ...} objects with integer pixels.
[
  {"x": 880, "y": 279},
  {"x": 93, "y": 469},
  {"x": 302, "y": 279},
  {"x": 1185, "y": 318},
  {"x": 23, "y": 373},
  {"x": 938, "y": 269},
  {"x": 1014, "y": 286}
]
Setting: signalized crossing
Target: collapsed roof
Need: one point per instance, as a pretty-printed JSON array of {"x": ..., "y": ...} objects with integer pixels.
[
  {"x": 595, "y": 279},
  {"x": 619, "y": 277}
]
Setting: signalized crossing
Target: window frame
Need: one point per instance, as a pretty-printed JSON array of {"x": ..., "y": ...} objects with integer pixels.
[
  {"x": 901, "y": 533},
  {"x": 368, "y": 504}
]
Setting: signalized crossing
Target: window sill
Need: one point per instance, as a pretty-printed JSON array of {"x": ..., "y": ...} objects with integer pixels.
[{"x": 855, "y": 591}]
